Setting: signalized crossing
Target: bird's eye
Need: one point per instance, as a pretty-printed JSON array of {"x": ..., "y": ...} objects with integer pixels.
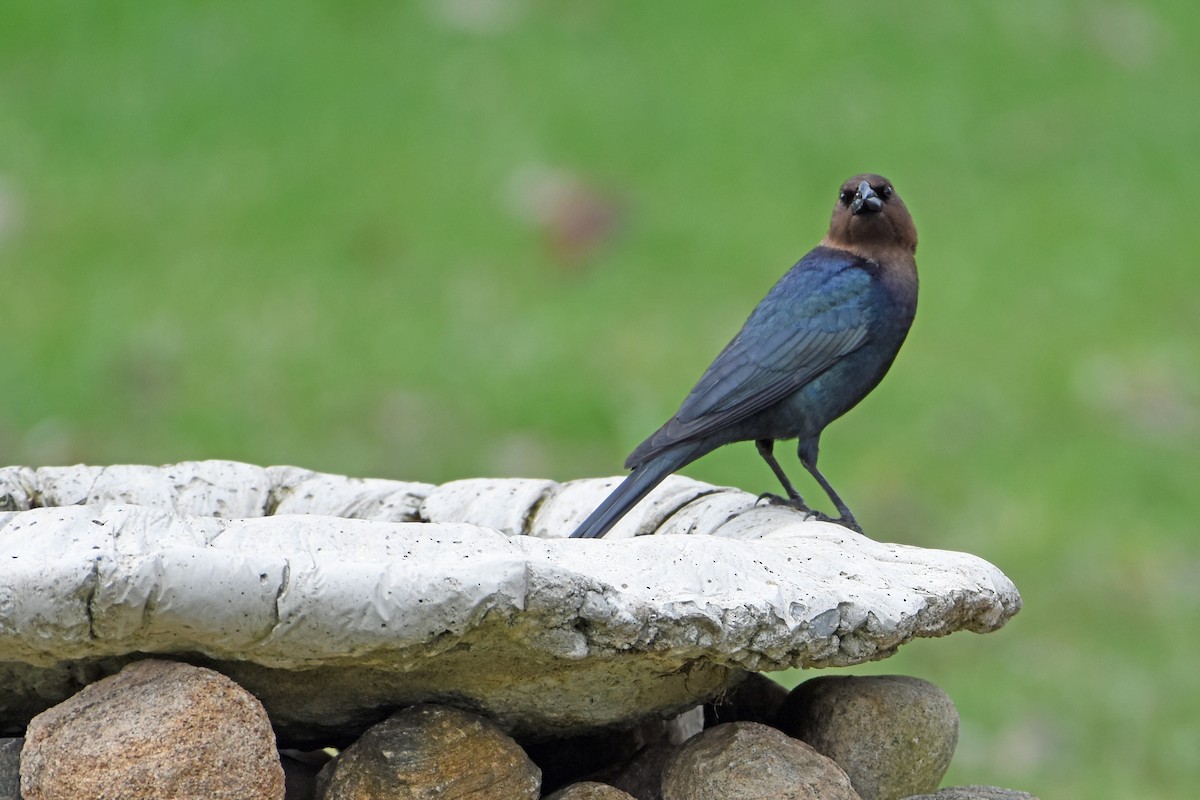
[
  {"x": 846, "y": 197},
  {"x": 885, "y": 192}
]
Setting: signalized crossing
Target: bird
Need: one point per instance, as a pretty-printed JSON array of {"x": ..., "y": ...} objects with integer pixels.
[{"x": 820, "y": 340}]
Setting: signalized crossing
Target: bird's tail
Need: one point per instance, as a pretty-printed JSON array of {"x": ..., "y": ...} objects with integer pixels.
[{"x": 637, "y": 485}]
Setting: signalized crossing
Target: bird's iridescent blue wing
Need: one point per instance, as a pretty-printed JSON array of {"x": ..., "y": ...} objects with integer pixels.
[{"x": 815, "y": 315}]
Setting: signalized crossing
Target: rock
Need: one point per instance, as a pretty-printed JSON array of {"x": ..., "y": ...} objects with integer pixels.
[
  {"x": 564, "y": 761},
  {"x": 10, "y": 761},
  {"x": 157, "y": 730},
  {"x": 756, "y": 699},
  {"x": 615, "y": 757},
  {"x": 641, "y": 776},
  {"x": 548, "y": 636},
  {"x": 894, "y": 735},
  {"x": 431, "y": 751},
  {"x": 676, "y": 730},
  {"x": 973, "y": 793},
  {"x": 589, "y": 790},
  {"x": 749, "y": 761},
  {"x": 300, "y": 770}
]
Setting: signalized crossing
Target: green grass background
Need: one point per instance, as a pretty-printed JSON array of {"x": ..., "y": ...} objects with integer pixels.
[{"x": 292, "y": 232}]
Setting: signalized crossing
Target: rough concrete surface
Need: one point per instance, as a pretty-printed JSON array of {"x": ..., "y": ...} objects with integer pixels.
[{"x": 383, "y": 593}]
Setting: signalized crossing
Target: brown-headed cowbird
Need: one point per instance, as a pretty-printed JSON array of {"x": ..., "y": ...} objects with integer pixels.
[{"x": 820, "y": 340}]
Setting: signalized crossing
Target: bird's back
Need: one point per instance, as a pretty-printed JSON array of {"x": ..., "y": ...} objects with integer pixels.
[{"x": 820, "y": 340}]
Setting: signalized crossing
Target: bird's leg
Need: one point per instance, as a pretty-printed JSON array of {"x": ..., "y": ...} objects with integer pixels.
[
  {"x": 766, "y": 449},
  {"x": 808, "y": 457}
]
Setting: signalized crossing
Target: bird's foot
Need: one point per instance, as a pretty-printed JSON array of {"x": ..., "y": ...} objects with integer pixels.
[
  {"x": 791, "y": 502},
  {"x": 845, "y": 522}
]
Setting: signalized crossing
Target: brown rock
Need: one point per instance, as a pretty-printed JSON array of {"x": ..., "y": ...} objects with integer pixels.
[
  {"x": 430, "y": 751},
  {"x": 157, "y": 729},
  {"x": 589, "y": 790},
  {"x": 894, "y": 735},
  {"x": 749, "y": 761}
]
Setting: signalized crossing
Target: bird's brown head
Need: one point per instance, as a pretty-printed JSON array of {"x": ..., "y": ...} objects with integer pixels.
[{"x": 871, "y": 220}]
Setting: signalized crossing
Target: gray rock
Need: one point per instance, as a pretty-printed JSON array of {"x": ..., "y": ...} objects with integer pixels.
[
  {"x": 564, "y": 761},
  {"x": 300, "y": 770},
  {"x": 10, "y": 763},
  {"x": 431, "y": 751},
  {"x": 676, "y": 730},
  {"x": 155, "y": 731},
  {"x": 629, "y": 759},
  {"x": 973, "y": 793},
  {"x": 251, "y": 571},
  {"x": 589, "y": 790},
  {"x": 893, "y": 734},
  {"x": 641, "y": 776},
  {"x": 756, "y": 699},
  {"x": 749, "y": 761}
]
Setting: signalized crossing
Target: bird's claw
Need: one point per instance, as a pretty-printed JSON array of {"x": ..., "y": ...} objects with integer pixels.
[
  {"x": 809, "y": 513},
  {"x": 845, "y": 522},
  {"x": 791, "y": 502}
]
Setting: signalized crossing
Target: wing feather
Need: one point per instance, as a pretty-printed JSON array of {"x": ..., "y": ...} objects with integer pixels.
[{"x": 817, "y": 314}]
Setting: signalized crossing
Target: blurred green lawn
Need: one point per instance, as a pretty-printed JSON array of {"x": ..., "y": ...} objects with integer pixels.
[{"x": 317, "y": 233}]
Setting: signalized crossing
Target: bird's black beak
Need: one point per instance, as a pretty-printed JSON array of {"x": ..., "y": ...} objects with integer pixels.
[{"x": 865, "y": 200}]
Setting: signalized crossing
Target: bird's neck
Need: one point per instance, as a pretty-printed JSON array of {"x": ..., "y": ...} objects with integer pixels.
[
  {"x": 896, "y": 262},
  {"x": 882, "y": 252}
]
